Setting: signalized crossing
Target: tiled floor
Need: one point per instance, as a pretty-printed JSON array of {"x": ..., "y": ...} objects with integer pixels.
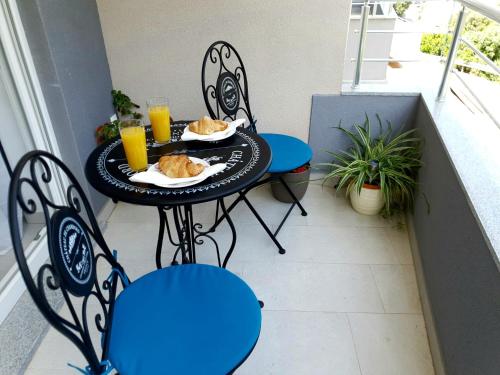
[{"x": 342, "y": 300}]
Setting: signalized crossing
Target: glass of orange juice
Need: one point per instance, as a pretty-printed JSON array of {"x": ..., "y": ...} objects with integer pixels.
[
  {"x": 159, "y": 115},
  {"x": 133, "y": 137}
]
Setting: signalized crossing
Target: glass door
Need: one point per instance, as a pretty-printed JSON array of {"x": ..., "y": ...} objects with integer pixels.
[{"x": 16, "y": 140}]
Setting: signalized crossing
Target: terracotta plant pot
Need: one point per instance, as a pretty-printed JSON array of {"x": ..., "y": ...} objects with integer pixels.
[
  {"x": 297, "y": 181},
  {"x": 369, "y": 202}
]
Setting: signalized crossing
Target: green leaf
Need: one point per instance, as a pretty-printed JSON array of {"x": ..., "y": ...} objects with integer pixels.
[{"x": 391, "y": 161}]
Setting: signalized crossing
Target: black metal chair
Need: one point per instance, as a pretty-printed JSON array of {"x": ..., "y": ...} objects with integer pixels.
[
  {"x": 227, "y": 99},
  {"x": 185, "y": 319}
]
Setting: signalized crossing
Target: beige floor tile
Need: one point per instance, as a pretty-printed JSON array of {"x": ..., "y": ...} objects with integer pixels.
[
  {"x": 133, "y": 213},
  {"x": 330, "y": 244},
  {"x": 303, "y": 343},
  {"x": 252, "y": 245},
  {"x": 398, "y": 288},
  {"x": 401, "y": 244},
  {"x": 327, "y": 207},
  {"x": 32, "y": 371},
  {"x": 271, "y": 210},
  {"x": 314, "y": 287},
  {"x": 55, "y": 353},
  {"x": 391, "y": 344}
]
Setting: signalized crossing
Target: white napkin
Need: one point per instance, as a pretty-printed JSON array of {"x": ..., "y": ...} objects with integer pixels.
[
  {"x": 188, "y": 135},
  {"x": 155, "y": 177}
]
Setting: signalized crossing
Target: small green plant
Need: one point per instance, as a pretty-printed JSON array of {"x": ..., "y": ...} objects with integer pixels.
[
  {"x": 389, "y": 160},
  {"x": 124, "y": 107},
  {"x": 107, "y": 131}
]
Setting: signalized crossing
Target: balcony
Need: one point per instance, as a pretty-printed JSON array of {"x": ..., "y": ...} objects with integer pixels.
[
  {"x": 343, "y": 297},
  {"x": 354, "y": 294}
]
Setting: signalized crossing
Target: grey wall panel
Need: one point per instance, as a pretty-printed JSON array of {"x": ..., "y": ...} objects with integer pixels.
[
  {"x": 66, "y": 41},
  {"x": 463, "y": 282},
  {"x": 329, "y": 110}
]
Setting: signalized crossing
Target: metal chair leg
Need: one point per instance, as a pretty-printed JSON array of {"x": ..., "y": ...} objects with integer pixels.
[
  {"x": 229, "y": 209},
  {"x": 264, "y": 225},
  {"x": 284, "y": 219},
  {"x": 304, "y": 212}
]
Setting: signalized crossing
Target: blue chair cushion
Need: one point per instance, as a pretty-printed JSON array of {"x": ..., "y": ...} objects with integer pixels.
[
  {"x": 288, "y": 152},
  {"x": 186, "y": 319}
]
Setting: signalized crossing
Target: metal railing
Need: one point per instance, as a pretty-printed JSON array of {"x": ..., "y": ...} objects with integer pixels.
[{"x": 485, "y": 9}]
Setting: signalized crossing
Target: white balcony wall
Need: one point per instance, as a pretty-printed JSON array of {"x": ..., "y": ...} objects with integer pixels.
[
  {"x": 378, "y": 45},
  {"x": 291, "y": 50}
]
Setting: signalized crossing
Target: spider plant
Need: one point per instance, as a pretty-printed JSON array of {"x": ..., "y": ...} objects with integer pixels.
[{"x": 389, "y": 160}]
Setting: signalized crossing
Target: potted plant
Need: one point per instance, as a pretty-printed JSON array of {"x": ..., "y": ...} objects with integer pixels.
[
  {"x": 297, "y": 180},
  {"x": 379, "y": 172},
  {"x": 125, "y": 108}
]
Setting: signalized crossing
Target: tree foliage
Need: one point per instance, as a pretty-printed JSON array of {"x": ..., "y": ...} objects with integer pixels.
[
  {"x": 400, "y": 7},
  {"x": 479, "y": 30}
]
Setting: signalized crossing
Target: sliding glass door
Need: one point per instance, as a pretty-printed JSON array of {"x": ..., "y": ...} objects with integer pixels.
[{"x": 16, "y": 140}]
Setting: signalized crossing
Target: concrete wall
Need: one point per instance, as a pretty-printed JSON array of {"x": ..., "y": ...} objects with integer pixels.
[
  {"x": 291, "y": 50},
  {"x": 329, "y": 110},
  {"x": 461, "y": 277},
  {"x": 68, "y": 50}
]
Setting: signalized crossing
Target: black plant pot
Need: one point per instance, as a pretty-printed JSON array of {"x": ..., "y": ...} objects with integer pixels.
[{"x": 298, "y": 183}]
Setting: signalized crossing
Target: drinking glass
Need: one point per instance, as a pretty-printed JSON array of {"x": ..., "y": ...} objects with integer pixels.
[
  {"x": 133, "y": 137},
  {"x": 159, "y": 115}
]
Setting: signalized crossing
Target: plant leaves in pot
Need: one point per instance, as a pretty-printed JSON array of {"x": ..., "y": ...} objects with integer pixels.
[
  {"x": 125, "y": 108},
  {"x": 378, "y": 171}
]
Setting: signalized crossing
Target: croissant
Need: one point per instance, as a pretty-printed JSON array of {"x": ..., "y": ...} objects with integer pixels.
[
  {"x": 207, "y": 126},
  {"x": 179, "y": 166}
]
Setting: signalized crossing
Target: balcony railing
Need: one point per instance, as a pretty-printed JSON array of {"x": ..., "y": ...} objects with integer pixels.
[{"x": 481, "y": 7}]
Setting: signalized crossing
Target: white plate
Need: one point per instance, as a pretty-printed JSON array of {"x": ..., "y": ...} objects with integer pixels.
[
  {"x": 188, "y": 135},
  {"x": 155, "y": 177}
]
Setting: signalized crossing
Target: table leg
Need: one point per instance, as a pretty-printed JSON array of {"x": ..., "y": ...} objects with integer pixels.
[
  {"x": 164, "y": 223},
  {"x": 161, "y": 232},
  {"x": 190, "y": 234},
  {"x": 180, "y": 228}
]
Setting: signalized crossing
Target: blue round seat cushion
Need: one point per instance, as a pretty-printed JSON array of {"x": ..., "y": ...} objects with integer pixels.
[
  {"x": 288, "y": 152},
  {"x": 186, "y": 319}
]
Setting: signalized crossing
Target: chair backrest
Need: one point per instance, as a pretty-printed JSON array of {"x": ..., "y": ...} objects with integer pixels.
[
  {"x": 73, "y": 237},
  {"x": 224, "y": 84}
]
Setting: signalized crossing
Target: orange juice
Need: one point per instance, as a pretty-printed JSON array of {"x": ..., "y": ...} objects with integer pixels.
[
  {"x": 160, "y": 122},
  {"x": 134, "y": 143}
]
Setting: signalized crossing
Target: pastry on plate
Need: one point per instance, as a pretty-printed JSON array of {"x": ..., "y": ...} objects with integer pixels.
[
  {"x": 207, "y": 126},
  {"x": 179, "y": 166}
]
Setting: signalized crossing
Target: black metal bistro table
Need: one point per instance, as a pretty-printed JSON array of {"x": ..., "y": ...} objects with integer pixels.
[{"x": 247, "y": 157}]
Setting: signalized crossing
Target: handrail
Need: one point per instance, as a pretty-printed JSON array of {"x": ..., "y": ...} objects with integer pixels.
[
  {"x": 485, "y": 9},
  {"x": 365, "y": 11},
  {"x": 452, "y": 53},
  {"x": 488, "y": 10},
  {"x": 483, "y": 57},
  {"x": 478, "y": 100}
]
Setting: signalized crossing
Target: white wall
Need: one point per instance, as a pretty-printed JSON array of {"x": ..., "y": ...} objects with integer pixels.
[
  {"x": 377, "y": 45},
  {"x": 291, "y": 50}
]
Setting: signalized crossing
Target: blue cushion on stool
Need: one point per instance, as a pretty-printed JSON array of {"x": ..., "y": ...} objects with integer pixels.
[
  {"x": 186, "y": 319},
  {"x": 288, "y": 152}
]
